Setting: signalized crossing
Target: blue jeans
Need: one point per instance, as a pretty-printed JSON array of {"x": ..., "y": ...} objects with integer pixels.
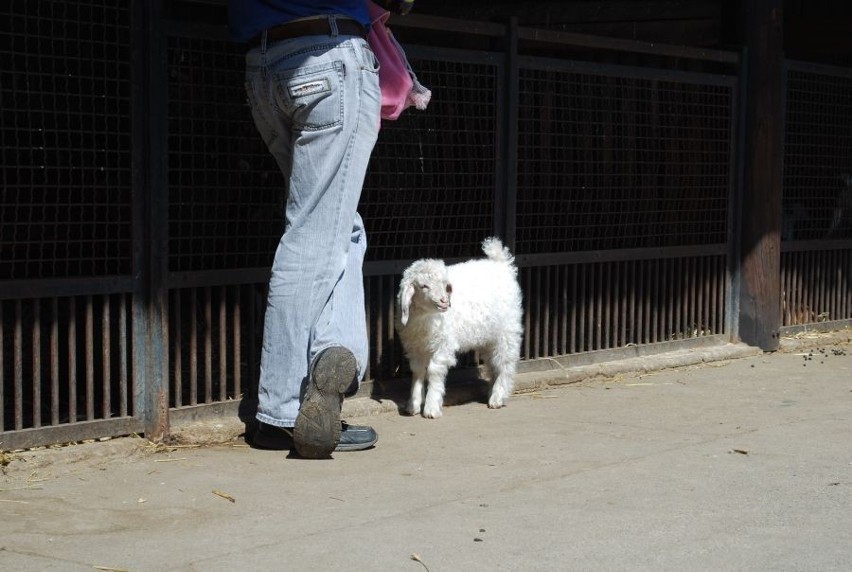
[{"x": 316, "y": 103}]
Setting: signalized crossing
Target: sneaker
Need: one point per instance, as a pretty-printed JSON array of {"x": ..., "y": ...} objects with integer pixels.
[
  {"x": 356, "y": 437},
  {"x": 352, "y": 437},
  {"x": 318, "y": 427}
]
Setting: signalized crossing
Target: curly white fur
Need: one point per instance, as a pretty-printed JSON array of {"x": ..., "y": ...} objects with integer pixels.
[{"x": 444, "y": 310}]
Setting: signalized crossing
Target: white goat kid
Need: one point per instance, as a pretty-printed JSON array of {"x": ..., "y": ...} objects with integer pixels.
[{"x": 445, "y": 310}]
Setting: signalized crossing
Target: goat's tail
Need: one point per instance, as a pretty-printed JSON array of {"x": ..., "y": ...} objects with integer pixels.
[{"x": 494, "y": 250}]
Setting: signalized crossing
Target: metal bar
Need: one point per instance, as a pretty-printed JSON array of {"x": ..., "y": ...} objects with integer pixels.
[
  {"x": 656, "y": 303},
  {"x": 224, "y": 277},
  {"x": 57, "y": 288},
  {"x": 525, "y": 260},
  {"x": 106, "y": 342},
  {"x": 2, "y": 372},
  {"x": 630, "y": 306},
  {"x": 177, "y": 346},
  {"x": 392, "y": 357},
  {"x": 525, "y": 275},
  {"x": 701, "y": 303},
  {"x": 368, "y": 311},
  {"x": 581, "y": 327},
  {"x": 193, "y": 346},
  {"x": 379, "y": 321},
  {"x": 122, "y": 355},
  {"x": 625, "y": 72},
  {"x": 508, "y": 140},
  {"x": 694, "y": 275},
  {"x": 54, "y": 362},
  {"x": 454, "y": 25},
  {"x": 632, "y": 46},
  {"x": 564, "y": 311},
  {"x": 536, "y": 273},
  {"x": 89, "y": 347},
  {"x": 18, "y": 366},
  {"x": 252, "y": 340},
  {"x": 641, "y": 294},
  {"x": 237, "y": 330},
  {"x": 545, "y": 325},
  {"x": 208, "y": 345},
  {"x": 223, "y": 344},
  {"x": 817, "y": 68},
  {"x": 677, "y": 302},
  {"x": 72, "y": 360},
  {"x": 618, "y": 322},
  {"x": 575, "y": 301},
  {"x": 36, "y": 363},
  {"x": 597, "y": 304}
]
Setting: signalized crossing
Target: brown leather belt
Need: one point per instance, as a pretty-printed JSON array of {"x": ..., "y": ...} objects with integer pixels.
[{"x": 313, "y": 27}]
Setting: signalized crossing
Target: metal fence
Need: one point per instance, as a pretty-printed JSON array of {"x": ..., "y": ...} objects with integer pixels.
[
  {"x": 140, "y": 210},
  {"x": 66, "y": 222},
  {"x": 816, "y": 259}
]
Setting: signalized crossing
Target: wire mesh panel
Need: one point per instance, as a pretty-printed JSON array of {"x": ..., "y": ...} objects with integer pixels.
[
  {"x": 589, "y": 307},
  {"x": 816, "y": 286},
  {"x": 818, "y": 154},
  {"x": 431, "y": 183},
  {"x": 64, "y": 360},
  {"x": 226, "y": 193},
  {"x": 65, "y": 203},
  {"x": 622, "y": 159}
]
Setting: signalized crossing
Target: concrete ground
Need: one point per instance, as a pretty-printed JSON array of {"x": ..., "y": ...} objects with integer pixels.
[{"x": 744, "y": 464}]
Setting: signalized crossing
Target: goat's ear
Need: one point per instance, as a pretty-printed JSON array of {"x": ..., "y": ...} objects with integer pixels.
[{"x": 405, "y": 296}]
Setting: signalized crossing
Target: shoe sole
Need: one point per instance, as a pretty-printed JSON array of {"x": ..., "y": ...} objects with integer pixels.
[{"x": 317, "y": 429}]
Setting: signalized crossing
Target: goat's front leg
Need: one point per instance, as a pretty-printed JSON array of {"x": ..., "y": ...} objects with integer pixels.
[
  {"x": 437, "y": 375},
  {"x": 418, "y": 376}
]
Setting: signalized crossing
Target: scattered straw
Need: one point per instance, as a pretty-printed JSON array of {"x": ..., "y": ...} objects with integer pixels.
[
  {"x": 416, "y": 558},
  {"x": 6, "y": 458},
  {"x": 152, "y": 447},
  {"x": 225, "y": 496}
]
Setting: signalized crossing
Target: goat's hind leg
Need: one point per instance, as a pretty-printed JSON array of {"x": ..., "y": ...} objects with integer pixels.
[{"x": 503, "y": 365}]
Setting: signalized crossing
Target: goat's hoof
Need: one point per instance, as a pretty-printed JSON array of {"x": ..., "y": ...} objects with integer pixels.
[
  {"x": 495, "y": 403},
  {"x": 432, "y": 412},
  {"x": 412, "y": 409}
]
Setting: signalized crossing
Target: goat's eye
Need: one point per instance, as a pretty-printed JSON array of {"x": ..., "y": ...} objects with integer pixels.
[
  {"x": 424, "y": 287},
  {"x": 449, "y": 288}
]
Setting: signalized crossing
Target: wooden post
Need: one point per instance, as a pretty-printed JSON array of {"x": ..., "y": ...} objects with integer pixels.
[{"x": 760, "y": 246}]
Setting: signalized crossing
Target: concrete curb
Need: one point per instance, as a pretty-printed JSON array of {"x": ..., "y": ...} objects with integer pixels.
[
  {"x": 213, "y": 431},
  {"x": 534, "y": 381}
]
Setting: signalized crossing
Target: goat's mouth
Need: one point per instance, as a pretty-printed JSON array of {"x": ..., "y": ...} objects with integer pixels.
[{"x": 442, "y": 307}]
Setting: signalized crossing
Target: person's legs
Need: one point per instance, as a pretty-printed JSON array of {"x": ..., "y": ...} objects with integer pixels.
[{"x": 316, "y": 103}]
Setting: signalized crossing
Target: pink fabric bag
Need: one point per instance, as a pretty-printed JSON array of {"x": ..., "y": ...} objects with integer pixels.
[{"x": 399, "y": 85}]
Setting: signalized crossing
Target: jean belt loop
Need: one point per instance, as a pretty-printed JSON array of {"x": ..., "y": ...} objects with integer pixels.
[
  {"x": 332, "y": 23},
  {"x": 263, "y": 40}
]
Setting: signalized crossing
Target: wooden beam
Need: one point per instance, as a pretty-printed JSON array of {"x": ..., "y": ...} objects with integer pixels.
[{"x": 760, "y": 246}]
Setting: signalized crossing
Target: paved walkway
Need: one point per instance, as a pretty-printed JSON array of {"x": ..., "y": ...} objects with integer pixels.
[{"x": 740, "y": 465}]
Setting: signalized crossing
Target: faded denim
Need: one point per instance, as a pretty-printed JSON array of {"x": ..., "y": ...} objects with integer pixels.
[{"x": 316, "y": 103}]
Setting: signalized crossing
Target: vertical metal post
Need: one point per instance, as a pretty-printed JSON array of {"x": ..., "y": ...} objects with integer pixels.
[
  {"x": 150, "y": 219},
  {"x": 506, "y": 201}
]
